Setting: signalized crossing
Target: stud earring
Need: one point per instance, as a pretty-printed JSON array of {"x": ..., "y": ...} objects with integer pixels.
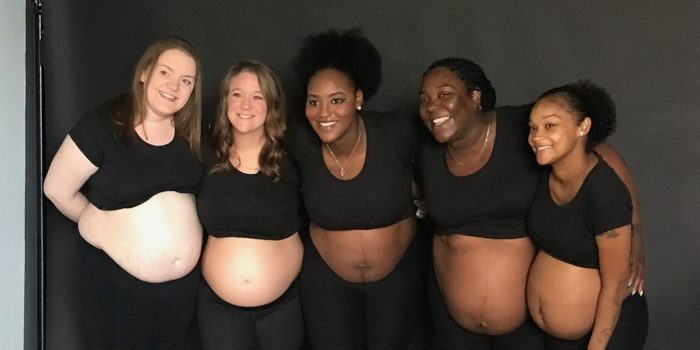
[{"x": 359, "y": 108}]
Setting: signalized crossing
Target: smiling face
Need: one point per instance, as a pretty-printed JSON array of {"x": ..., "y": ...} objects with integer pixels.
[
  {"x": 331, "y": 104},
  {"x": 555, "y": 131},
  {"x": 247, "y": 107},
  {"x": 169, "y": 84},
  {"x": 447, "y": 108}
]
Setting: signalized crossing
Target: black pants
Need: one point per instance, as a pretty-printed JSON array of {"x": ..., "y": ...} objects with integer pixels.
[
  {"x": 448, "y": 334},
  {"x": 119, "y": 311},
  {"x": 380, "y": 315},
  {"x": 630, "y": 332},
  {"x": 278, "y": 325}
]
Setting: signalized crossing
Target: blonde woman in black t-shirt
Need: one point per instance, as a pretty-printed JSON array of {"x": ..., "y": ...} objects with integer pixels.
[
  {"x": 249, "y": 205},
  {"x": 138, "y": 155}
]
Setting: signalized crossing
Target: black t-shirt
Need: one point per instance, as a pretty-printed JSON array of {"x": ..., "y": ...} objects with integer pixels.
[
  {"x": 567, "y": 232},
  {"x": 234, "y": 204},
  {"x": 492, "y": 202},
  {"x": 380, "y": 195},
  {"x": 130, "y": 172}
]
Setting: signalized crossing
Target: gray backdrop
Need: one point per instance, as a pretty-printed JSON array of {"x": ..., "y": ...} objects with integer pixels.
[{"x": 646, "y": 53}]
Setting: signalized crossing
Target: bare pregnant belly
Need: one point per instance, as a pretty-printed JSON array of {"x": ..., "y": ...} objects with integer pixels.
[
  {"x": 562, "y": 297},
  {"x": 363, "y": 256},
  {"x": 251, "y": 272},
  {"x": 157, "y": 241},
  {"x": 483, "y": 280}
]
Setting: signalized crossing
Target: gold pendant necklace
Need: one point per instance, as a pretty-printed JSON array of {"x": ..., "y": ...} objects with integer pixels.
[
  {"x": 483, "y": 146},
  {"x": 342, "y": 167}
]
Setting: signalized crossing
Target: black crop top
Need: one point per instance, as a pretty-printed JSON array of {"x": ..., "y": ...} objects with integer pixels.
[
  {"x": 380, "y": 195},
  {"x": 234, "y": 204},
  {"x": 492, "y": 202},
  {"x": 131, "y": 172},
  {"x": 567, "y": 232}
]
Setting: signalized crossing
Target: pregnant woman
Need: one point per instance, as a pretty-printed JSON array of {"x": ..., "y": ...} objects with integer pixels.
[
  {"x": 249, "y": 205},
  {"x": 138, "y": 154}
]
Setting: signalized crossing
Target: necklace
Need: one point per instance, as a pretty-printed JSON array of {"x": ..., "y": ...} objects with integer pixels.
[
  {"x": 483, "y": 146},
  {"x": 342, "y": 167}
]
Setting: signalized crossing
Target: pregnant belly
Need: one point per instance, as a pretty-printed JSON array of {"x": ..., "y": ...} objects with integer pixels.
[
  {"x": 157, "y": 241},
  {"x": 251, "y": 272},
  {"x": 483, "y": 281},
  {"x": 562, "y": 298}
]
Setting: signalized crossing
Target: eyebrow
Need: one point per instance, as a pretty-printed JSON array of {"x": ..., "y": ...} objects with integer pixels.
[
  {"x": 172, "y": 70},
  {"x": 332, "y": 94},
  {"x": 441, "y": 85}
]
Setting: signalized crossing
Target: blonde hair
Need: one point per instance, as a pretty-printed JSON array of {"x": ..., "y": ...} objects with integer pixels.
[
  {"x": 275, "y": 122},
  {"x": 187, "y": 120}
]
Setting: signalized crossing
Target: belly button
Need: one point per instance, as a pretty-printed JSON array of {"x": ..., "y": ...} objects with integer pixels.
[{"x": 176, "y": 262}]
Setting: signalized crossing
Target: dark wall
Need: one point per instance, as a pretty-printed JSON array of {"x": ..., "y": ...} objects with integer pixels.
[{"x": 645, "y": 53}]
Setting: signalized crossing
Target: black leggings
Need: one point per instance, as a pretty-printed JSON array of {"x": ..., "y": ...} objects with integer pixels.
[
  {"x": 278, "y": 325},
  {"x": 119, "y": 311},
  {"x": 630, "y": 332},
  {"x": 448, "y": 334},
  {"x": 380, "y": 315}
]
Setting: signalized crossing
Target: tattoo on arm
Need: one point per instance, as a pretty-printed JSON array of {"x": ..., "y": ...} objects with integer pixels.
[
  {"x": 604, "y": 336},
  {"x": 611, "y": 234}
]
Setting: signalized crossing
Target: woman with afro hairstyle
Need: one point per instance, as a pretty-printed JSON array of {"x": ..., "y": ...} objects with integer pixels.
[
  {"x": 581, "y": 216},
  {"x": 363, "y": 270},
  {"x": 479, "y": 178}
]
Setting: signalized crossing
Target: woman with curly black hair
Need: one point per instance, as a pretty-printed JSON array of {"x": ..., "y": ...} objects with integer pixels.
[
  {"x": 363, "y": 270},
  {"x": 580, "y": 219}
]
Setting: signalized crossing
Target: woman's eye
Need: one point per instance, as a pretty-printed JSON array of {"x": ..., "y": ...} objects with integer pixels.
[
  {"x": 337, "y": 101},
  {"x": 187, "y": 82},
  {"x": 163, "y": 72},
  {"x": 444, "y": 94},
  {"x": 548, "y": 126},
  {"x": 312, "y": 103},
  {"x": 236, "y": 94},
  {"x": 258, "y": 97}
]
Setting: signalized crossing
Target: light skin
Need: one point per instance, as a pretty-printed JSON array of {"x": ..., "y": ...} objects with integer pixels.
[
  {"x": 354, "y": 255},
  {"x": 150, "y": 250},
  {"x": 565, "y": 300},
  {"x": 482, "y": 280},
  {"x": 168, "y": 86},
  {"x": 244, "y": 271}
]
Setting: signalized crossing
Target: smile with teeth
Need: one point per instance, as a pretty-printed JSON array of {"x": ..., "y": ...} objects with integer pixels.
[
  {"x": 327, "y": 124},
  {"x": 245, "y": 116},
  {"x": 439, "y": 120},
  {"x": 542, "y": 148},
  {"x": 167, "y": 95}
]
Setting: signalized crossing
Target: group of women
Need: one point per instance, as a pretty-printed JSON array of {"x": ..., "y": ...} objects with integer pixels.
[{"x": 311, "y": 227}]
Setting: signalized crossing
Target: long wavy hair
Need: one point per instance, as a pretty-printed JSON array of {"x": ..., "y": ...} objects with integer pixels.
[
  {"x": 275, "y": 122},
  {"x": 132, "y": 110}
]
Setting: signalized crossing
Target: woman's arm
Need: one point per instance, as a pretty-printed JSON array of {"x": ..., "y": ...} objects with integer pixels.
[
  {"x": 637, "y": 257},
  {"x": 613, "y": 254},
  {"x": 69, "y": 170}
]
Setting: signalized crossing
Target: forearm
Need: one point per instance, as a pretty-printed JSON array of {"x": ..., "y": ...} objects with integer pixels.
[
  {"x": 607, "y": 313},
  {"x": 70, "y": 205}
]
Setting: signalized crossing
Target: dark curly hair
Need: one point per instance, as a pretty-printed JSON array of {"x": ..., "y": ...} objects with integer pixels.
[
  {"x": 349, "y": 52},
  {"x": 586, "y": 99},
  {"x": 472, "y": 76}
]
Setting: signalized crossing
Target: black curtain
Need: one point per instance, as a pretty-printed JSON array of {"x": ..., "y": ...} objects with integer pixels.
[{"x": 646, "y": 54}]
